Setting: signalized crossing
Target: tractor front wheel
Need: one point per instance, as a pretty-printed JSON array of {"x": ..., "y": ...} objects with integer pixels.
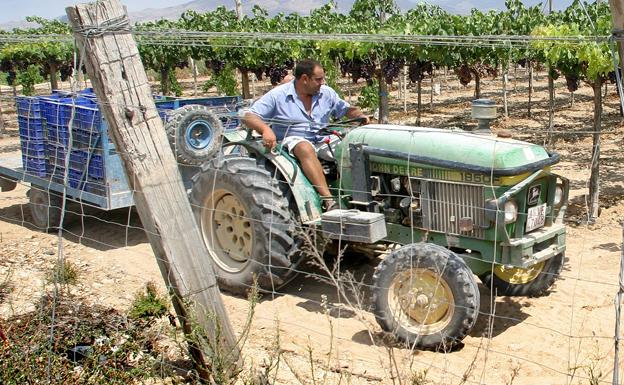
[
  {"x": 245, "y": 224},
  {"x": 531, "y": 282},
  {"x": 426, "y": 296}
]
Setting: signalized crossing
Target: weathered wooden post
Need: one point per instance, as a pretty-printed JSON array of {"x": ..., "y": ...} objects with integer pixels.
[{"x": 102, "y": 33}]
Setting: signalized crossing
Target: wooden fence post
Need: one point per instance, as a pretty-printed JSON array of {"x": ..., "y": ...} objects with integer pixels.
[{"x": 110, "y": 54}]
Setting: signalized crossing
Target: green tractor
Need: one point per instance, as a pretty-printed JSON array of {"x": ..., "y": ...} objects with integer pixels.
[{"x": 451, "y": 206}]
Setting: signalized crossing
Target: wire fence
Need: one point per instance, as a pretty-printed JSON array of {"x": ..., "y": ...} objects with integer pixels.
[{"x": 321, "y": 326}]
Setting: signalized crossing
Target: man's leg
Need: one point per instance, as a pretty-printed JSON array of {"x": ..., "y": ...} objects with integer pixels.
[{"x": 305, "y": 152}]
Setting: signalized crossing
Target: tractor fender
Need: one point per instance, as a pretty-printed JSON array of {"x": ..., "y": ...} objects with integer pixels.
[{"x": 302, "y": 194}]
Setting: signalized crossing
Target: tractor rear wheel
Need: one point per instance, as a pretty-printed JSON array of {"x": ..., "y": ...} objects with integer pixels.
[
  {"x": 426, "y": 296},
  {"x": 531, "y": 282},
  {"x": 245, "y": 224}
]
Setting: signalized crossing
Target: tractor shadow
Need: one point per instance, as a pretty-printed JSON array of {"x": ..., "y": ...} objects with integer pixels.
[
  {"x": 320, "y": 295},
  {"x": 498, "y": 313}
]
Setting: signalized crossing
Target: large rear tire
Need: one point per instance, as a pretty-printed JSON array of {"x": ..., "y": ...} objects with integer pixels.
[
  {"x": 532, "y": 282},
  {"x": 246, "y": 225},
  {"x": 426, "y": 296}
]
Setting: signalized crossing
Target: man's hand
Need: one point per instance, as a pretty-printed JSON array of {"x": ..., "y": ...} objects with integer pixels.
[
  {"x": 365, "y": 120},
  {"x": 268, "y": 139}
]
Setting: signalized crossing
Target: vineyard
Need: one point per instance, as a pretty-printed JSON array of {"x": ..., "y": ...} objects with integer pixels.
[{"x": 553, "y": 80}]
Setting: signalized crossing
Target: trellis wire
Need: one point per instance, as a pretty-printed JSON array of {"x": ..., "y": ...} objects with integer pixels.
[{"x": 187, "y": 37}]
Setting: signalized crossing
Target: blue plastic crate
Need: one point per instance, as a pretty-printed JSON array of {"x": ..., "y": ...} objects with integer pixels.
[
  {"x": 35, "y": 166},
  {"x": 97, "y": 187},
  {"x": 96, "y": 167},
  {"x": 56, "y": 154},
  {"x": 58, "y": 134},
  {"x": 28, "y": 106},
  {"x": 57, "y": 173},
  {"x": 30, "y": 128},
  {"x": 88, "y": 119},
  {"x": 34, "y": 148},
  {"x": 86, "y": 139},
  {"x": 59, "y": 111},
  {"x": 75, "y": 178},
  {"x": 77, "y": 160}
]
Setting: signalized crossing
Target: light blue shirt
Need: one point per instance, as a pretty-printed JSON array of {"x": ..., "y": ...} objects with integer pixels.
[{"x": 282, "y": 109}]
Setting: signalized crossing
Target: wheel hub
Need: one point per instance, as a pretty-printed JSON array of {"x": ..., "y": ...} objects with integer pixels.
[
  {"x": 228, "y": 230},
  {"x": 199, "y": 134},
  {"x": 518, "y": 275},
  {"x": 422, "y": 299}
]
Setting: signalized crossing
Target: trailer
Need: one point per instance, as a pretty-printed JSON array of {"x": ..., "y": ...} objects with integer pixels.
[{"x": 66, "y": 150}]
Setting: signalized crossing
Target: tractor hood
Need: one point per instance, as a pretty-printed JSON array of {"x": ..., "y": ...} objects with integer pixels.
[{"x": 440, "y": 148}]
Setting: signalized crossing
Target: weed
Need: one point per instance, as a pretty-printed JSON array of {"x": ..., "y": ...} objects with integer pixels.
[
  {"x": 419, "y": 378},
  {"x": 64, "y": 273},
  {"x": 6, "y": 286},
  {"x": 91, "y": 344},
  {"x": 149, "y": 303}
]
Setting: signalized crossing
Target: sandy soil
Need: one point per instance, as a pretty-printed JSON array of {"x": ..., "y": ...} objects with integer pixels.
[{"x": 565, "y": 337}]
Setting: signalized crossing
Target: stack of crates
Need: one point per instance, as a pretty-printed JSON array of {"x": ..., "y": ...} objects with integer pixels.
[
  {"x": 73, "y": 126},
  {"x": 32, "y": 135},
  {"x": 57, "y": 128}
]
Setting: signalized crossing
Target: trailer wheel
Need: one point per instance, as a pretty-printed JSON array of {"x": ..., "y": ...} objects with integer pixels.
[
  {"x": 245, "y": 224},
  {"x": 426, "y": 296},
  {"x": 195, "y": 134},
  {"x": 45, "y": 209},
  {"x": 532, "y": 282}
]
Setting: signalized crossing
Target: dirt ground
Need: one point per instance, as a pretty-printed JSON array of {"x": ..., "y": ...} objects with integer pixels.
[{"x": 565, "y": 337}]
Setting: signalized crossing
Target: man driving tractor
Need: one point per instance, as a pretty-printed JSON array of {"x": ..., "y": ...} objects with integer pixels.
[{"x": 297, "y": 111}]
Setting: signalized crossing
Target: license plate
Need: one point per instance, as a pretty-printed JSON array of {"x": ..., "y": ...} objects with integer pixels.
[{"x": 536, "y": 216}]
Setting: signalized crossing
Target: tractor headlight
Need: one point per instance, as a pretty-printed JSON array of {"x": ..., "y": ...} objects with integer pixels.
[
  {"x": 558, "y": 201},
  {"x": 511, "y": 211}
]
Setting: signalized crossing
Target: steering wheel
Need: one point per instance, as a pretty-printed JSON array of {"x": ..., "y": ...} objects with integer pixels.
[
  {"x": 360, "y": 120},
  {"x": 341, "y": 131}
]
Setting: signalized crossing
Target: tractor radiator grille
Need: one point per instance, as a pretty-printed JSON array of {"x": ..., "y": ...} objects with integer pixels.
[{"x": 444, "y": 204}]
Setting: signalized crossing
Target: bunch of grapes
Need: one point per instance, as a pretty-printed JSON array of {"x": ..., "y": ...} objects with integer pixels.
[
  {"x": 216, "y": 65},
  {"x": 491, "y": 71},
  {"x": 522, "y": 63},
  {"x": 359, "y": 69},
  {"x": 66, "y": 70},
  {"x": 345, "y": 68},
  {"x": 417, "y": 69},
  {"x": 259, "y": 72},
  {"x": 391, "y": 68},
  {"x": 276, "y": 74},
  {"x": 464, "y": 75},
  {"x": 572, "y": 81},
  {"x": 368, "y": 70}
]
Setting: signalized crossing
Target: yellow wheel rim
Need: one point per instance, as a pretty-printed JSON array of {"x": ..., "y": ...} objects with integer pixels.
[
  {"x": 227, "y": 230},
  {"x": 518, "y": 275},
  {"x": 421, "y": 301}
]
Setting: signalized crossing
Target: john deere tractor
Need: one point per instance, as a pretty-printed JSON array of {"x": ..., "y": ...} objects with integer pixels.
[{"x": 450, "y": 206}]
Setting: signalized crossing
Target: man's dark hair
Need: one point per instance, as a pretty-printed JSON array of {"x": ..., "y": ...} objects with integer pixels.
[{"x": 306, "y": 67}]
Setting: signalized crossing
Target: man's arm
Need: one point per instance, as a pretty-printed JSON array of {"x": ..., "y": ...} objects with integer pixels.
[
  {"x": 256, "y": 123},
  {"x": 355, "y": 112}
]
